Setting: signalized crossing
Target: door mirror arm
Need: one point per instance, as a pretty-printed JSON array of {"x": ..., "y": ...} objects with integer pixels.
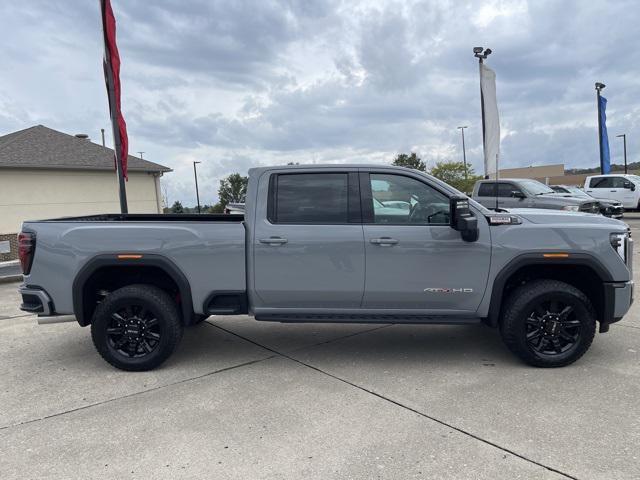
[{"x": 462, "y": 220}]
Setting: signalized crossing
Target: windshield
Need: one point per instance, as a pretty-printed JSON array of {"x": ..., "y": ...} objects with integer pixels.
[
  {"x": 635, "y": 178},
  {"x": 534, "y": 187},
  {"x": 576, "y": 192}
]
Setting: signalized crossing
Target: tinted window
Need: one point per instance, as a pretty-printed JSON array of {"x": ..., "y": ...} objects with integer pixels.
[
  {"x": 507, "y": 189},
  {"x": 399, "y": 200},
  {"x": 312, "y": 198},
  {"x": 617, "y": 182},
  {"x": 601, "y": 182},
  {"x": 487, "y": 190}
]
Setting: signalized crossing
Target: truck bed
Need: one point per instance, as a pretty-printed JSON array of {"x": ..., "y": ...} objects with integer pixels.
[{"x": 208, "y": 249}]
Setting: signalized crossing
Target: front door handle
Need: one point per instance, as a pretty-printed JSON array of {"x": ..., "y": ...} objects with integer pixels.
[
  {"x": 384, "y": 241},
  {"x": 273, "y": 241}
]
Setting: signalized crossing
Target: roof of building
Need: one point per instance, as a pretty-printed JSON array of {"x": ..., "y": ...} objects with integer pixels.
[{"x": 43, "y": 147}]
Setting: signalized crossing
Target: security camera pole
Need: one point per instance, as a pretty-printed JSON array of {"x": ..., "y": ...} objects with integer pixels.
[
  {"x": 481, "y": 54},
  {"x": 195, "y": 175},
  {"x": 624, "y": 139},
  {"x": 464, "y": 151}
]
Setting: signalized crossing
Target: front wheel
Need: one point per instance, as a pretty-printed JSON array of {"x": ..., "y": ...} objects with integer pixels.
[
  {"x": 136, "y": 327},
  {"x": 548, "y": 323}
]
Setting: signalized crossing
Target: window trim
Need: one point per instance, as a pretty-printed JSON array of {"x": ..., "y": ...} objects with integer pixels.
[
  {"x": 354, "y": 213},
  {"x": 367, "y": 199}
]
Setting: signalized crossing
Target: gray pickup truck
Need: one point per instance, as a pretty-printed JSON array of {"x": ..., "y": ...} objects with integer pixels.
[
  {"x": 528, "y": 193},
  {"x": 348, "y": 243}
]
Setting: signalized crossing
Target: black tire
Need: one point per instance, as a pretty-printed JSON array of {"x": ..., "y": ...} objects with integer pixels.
[
  {"x": 136, "y": 327},
  {"x": 548, "y": 323}
]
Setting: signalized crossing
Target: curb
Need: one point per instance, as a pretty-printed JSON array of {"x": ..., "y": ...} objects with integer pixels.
[{"x": 11, "y": 279}]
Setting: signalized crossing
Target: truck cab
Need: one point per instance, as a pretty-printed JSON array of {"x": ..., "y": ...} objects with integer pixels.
[
  {"x": 528, "y": 193},
  {"x": 615, "y": 187}
]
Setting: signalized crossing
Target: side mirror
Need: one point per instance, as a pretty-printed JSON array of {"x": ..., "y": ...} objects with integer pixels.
[
  {"x": 629, "y": 186},
  {"x": 462, "y": 220},
  {"x": 518, "y": 194}
]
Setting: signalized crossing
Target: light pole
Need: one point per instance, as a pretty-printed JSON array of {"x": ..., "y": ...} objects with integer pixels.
[
  {"x": 481, "y": 54},
  {"x": 624, "y": 139},
  {"x": 464, "y": 151},
  {"x": 195, "y": 176},
  {"x": 141, "y": 155},
  {"x": 599, "y": 88}
]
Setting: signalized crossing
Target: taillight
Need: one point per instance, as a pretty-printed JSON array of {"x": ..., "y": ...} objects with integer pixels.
[{"x": 26, "y": 249}]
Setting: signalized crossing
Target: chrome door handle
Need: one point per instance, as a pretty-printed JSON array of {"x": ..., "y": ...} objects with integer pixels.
[
  {"x": 273, "y": 241},
  {"x": 384, "y": 241}
]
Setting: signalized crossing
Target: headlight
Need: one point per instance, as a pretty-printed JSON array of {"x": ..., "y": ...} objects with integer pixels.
[
  {"x": 619, "y": 244},
  {"x": 571, "y": 208}
]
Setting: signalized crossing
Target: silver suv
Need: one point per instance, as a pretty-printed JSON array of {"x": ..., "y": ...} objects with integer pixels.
[{"x": 527, "y": 193}]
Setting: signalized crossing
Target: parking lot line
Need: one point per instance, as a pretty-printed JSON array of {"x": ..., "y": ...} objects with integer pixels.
[{"x": 399, "y": 404}]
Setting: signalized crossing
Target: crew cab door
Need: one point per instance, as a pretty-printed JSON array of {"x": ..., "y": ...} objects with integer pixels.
[
  {"x": 621, "y": 190},
  {"x": 308, "y": 243},
  {"x": 414, "y": 259},
  {"x": 512, "y": 196},
  {"x": 600, "y": 187}
]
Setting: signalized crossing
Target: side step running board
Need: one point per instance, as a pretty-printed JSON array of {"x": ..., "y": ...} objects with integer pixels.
[{"x": 366, "y": 318}]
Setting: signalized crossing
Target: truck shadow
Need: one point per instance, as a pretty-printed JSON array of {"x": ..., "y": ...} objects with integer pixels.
[{"x": 372, "y": 343}]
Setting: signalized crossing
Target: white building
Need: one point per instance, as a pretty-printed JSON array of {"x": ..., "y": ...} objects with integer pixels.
[{"x": 46, "y": 174}]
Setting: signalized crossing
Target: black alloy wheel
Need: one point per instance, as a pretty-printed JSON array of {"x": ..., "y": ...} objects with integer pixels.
[
  {"x": 548, "y": 323},
  {"x": 552, "y": 328},
  {"x": 133, "y": 331},
  {"x": 136, "y": 327}
]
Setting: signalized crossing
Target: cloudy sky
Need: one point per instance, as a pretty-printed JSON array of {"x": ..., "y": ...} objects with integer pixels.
[{"x": 236, "y": 84}]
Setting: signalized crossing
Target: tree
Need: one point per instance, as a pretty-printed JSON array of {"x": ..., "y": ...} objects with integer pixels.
[
  {"x": 453, "y": 173},
  {"x": 177, "y": 207},
  {"x": 233, "y": 189},
  {"x": 410, "y": 161},
  {"x": 217, "y": 208}
]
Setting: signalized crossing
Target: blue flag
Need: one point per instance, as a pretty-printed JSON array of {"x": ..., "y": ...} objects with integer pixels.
[{"x": 606, "y": 159}]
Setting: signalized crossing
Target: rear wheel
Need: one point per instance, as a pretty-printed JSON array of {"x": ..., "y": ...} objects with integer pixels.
[
  {"x": 548, "y": 323},
  {"x": 136, "y": 327}
]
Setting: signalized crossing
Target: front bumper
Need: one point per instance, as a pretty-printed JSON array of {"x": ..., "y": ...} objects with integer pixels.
[{"x": 618, "y": 297}]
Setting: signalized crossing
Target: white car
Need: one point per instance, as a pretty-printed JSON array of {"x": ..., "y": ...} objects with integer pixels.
[{"x": 616, "y": 187}]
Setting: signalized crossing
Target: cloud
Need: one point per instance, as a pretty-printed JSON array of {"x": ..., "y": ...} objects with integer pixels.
[{"x": 240, "y": 84}]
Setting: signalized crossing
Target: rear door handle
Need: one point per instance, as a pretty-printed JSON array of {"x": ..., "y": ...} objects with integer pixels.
[
  {"x": 384, "y": 241},
  {"x": 273, "y": 241}
]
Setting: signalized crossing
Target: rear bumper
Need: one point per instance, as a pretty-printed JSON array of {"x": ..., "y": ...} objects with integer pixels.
[{"x": 36, "y": 300}]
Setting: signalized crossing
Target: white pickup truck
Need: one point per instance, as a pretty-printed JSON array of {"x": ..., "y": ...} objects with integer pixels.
[{"x": 615, "y": 187}]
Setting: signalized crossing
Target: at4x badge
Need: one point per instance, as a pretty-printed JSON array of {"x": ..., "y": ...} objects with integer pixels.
[{"x": 448, "y": 290}]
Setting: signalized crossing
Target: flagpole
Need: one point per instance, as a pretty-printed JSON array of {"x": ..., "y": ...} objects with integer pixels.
[
  {"x": 117, "y": 143},
  {"x": 599, "y": 87}
]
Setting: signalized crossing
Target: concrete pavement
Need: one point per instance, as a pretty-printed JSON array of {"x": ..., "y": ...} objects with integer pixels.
[{"x": 244, "y": 399}]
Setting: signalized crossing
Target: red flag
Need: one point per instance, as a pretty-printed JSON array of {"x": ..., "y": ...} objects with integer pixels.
[{"x": 112, "y": 79}]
